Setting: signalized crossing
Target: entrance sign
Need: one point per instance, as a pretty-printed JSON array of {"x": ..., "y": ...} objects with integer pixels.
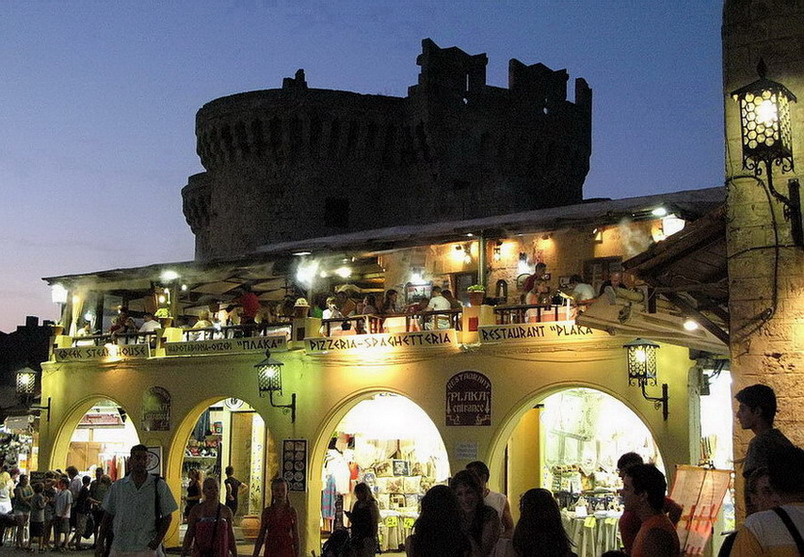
[
  {"x": 156, "y": 409},
  {"x": 469, "y": 399},
  {"x": 276, "y": 343},
  {"x": 545, "y": 331},
  {"x": 700, "y": 492},
  {"x": 107, "y": 352},
  {"x": 382, "y": 342},
  {"x": 294, "y": 463}
]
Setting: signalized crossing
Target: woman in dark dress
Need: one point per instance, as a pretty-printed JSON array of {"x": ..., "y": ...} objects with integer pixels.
[
  {"x": 365, "y": 517},
  {"x": 438, "y": 532},
  {"x": 539, "y": 532},
  {"x": 193, "y": 491}
]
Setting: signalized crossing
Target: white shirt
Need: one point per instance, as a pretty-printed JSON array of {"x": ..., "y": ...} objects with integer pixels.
[
  {"x": 583, "y": 291},
  {"x": 150, "y": 326},
  {"x": 132, "y": 509},
  {"x": 438, "y": 303}
]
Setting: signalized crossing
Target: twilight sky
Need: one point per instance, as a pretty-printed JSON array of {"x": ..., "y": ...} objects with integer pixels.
[{"x": 98, "y": 102}]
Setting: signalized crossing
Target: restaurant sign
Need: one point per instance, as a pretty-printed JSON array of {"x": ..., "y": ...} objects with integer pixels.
[
  {"x": 383, "y": 341},
  {"x": 108, "y": 352},
  {"x": 276, "y": 343},
  {"x": 156, "y": 409},
  {"x": 549, "y": 331},
  {"x": 469, "y": 399}
]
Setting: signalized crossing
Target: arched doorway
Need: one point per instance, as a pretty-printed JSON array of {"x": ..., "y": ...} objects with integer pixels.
[
  {"x": 391, "y": 444},
  {"x": 228, "y": 433},
  {"x": 102, "y": 437},
  {"x": 569, "y": 442}
]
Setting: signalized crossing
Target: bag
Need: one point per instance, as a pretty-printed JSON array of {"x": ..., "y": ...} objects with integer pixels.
[{"x": 90, "y": 528}]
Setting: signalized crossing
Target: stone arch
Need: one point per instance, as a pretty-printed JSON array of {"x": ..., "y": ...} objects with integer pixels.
[
  {"x": 497, "y": 446},
  {"x": 64, "y": 430}
]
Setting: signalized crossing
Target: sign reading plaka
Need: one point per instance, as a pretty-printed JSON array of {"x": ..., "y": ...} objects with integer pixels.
[
  {"x": 227, "y": 346},
  {"x": 554, "y": 330},
  {"x": 384, "y": 341},
  {"x": 469, "y": 399},
  {"x": 108, "y": 352}
]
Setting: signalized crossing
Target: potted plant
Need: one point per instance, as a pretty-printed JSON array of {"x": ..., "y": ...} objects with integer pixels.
[
  {"x": 477, "y": 292},
  {"x": 163, "y": 315}
]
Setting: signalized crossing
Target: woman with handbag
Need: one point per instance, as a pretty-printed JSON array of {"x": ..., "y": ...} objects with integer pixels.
[
  {"x": 209, "y": 526},
  {"x": 279, "y": 525}
]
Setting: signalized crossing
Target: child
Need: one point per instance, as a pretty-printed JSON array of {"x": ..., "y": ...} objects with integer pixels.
[
  {"x": 61, "y": 520},
  {"x": 37, "y": 527}
]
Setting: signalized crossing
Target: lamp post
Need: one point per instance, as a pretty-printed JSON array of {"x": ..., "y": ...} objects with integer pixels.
[
  {"x": 641, "y": 359},
  {"x": 767, "y": 138},
  {"x": 269, "y": 379},
  {"x": 26, "y": 386}
]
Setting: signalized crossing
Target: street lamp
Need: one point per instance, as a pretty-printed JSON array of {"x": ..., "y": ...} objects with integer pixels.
[
  {"x": 26, "y": 385},
  {"x": 269, "y": 379},
  {"x": 767, "y": 137},
  {"x": 641, "y": 358}
]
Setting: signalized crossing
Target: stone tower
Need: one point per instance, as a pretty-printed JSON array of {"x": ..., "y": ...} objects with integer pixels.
[
  {"x": 293, "y": 163},
  {"x": 766, "y": 283}
]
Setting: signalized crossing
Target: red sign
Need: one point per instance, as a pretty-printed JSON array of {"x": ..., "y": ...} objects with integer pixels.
[{"x": 469, "y": 399}]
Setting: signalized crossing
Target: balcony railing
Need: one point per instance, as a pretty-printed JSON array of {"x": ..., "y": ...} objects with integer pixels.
[
  {"x": 236, "y": 331},
  {"x": 533, "y": 313},
  {"x": 116, "y": 338},
  {"x": 392, "y": 323}
]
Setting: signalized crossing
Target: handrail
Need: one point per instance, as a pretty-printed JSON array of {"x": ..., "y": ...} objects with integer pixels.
[
  {"x": 519, "y": 313},
  {"x": 114, "y": 338},
  {"x": 232, "y": 331}
]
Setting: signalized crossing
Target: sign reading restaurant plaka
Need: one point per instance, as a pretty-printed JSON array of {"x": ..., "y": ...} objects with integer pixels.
[
  {"x": 469, "y": 399},
  {"x": 383, "y": 341},
  {"x": 546, "y": 331},
  {"x": 227, "y": 346}
]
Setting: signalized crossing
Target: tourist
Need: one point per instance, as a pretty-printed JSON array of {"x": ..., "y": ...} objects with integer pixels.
[
  {"x": 61, "y": 519},
  {"x": 438, "y": 532},
  {"x": 82, "y": 509},
  {"x": 582, "y": 292},
  {"x": 36, "y": 529},
  {"x": 364, "y": 519},
  {"x": 233, "y": 487},
  {"x": 49, "y": 492},
  {"x": 539, "y": 531},
  {"x": 762, "y": 497},
  {"x": 344, "y": 304},
  {"x": 97, "y": 491},
  {"x": 480, "y": 522},
  {"x": 390, "y": 303},
  {"x": 777, "y": 531},
  {"x": 137, "y": 510},
  {"x": 643, "y": 494},
  {"x": 209, "y": 526},
  {"x": 370, "y": 305},
  {"x": 497, "y": 501},
  {"x": 454, "y": 303},
  {"x": 279, "y": 525},
  {"x": 193, "y": 491},
  {"x": 149, "y": 324},
  {"x": 23, "y": 494},
  {"x": 630, "y": 523},
  {"x": 439, "y": 303}
]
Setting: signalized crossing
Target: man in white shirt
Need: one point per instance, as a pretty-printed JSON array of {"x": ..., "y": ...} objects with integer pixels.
[
  {"x": 149, "y": 324},
  {"x": 439, "y": 303},
  {"x": 581, "y": 292}
]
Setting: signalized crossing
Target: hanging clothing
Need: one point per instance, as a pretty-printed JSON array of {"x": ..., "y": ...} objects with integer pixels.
[{"x": 328, "y": 497}]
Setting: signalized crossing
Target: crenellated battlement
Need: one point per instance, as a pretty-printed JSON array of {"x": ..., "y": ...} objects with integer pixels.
[{"x": 454, "y": 147}]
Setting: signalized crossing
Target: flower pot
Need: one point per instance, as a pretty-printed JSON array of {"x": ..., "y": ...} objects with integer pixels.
[
  {"x": 476, "y": 297},
  {"x": 250, "y": 526},
  {"x": 56, "y": 330}
]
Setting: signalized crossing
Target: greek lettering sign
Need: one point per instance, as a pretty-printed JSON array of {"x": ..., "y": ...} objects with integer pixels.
[
  {"x": 111, "y": 352},
  {"x": 227, "y": 346},
  {"x": 549, "y": 331},
  {"x": 156, "y": 409},
  {"x": 294, "y": 463},
  {"x": 383, "y": 341},
  {"x": 469, "y": 399}
]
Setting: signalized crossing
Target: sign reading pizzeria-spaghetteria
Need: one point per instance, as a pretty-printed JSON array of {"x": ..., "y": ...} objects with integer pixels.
[
  {"x": 227, "y": 345},
  {"x": 383, "y": 341},
  {"x": 469, "y": 399},
  {"x": 294, "y": 463}
]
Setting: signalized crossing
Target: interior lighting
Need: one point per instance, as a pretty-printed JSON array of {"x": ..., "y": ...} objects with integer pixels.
[
  {"x": 184, "y": 288},
  {"x": 306, "y": 271},
  {"x": 89, "y": 316},
  {"x": 641, "y": 360},
  {"x": 343, "y": 272},
  {"x": 301, "y": 253},
  {"x": 690, "y": 325},
  {"x": 58, "y": 294},
  {"x": 162, "y": 299},
  {"x": 169, "y": 275},
  {"x": 659, "y": 212},
  {"x": 497, "y": 255}
]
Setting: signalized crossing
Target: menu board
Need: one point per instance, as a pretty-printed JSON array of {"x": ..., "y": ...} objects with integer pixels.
[
  {"x": 700, "y": 492},
  {"x": 294, "y": 463}
]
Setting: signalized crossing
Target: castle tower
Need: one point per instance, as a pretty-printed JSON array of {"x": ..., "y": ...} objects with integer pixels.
[
  {"x": 766, "y": 283},
  {"x": 296, "y": 162}
]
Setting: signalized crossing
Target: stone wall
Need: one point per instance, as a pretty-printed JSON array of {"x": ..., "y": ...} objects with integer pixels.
[
  {"x": 766, "y": 295},
  {"x": 295, "y": 162}
]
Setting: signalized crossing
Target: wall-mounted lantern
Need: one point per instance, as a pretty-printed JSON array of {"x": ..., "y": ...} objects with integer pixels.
[
  {"x": 641, "y": 357},
  {"x": 269, "y": 379},
  {"x": 767, "y": 137},
  {"x": 26, "y": 386}
]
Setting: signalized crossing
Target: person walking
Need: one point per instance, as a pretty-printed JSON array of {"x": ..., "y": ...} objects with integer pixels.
[
  {"x": 279, "y": 525},
  {"x": 233, "y": 487},
  {"x": 193, "y": 491},
  {"x": 480, "y": 522},
  {"x": 539, "y": 532},
  {"x": 137, "y": 511},
  {"x": 209, "y": 526},
  {"x": 364, "y": 518},
  {"x": 438, "y": 532}
]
